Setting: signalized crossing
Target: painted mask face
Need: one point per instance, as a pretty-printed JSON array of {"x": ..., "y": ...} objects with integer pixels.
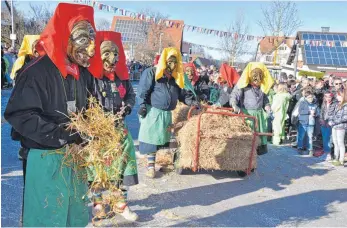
[
  {"x": 256, "y": 76},
  {"x": 81, "y": 45},
  {"x": 189, "y": 72},
  {"x": 109, "y": 55},
  {"x": 33, "y": 49},
  {"x": 171, "y": 63}
]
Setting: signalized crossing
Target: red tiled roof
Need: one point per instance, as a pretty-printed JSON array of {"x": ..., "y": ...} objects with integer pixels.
[{"x": 268, "y": 43}]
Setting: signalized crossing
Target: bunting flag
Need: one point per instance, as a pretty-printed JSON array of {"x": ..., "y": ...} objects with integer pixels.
[{"x": 218, "y": 33}]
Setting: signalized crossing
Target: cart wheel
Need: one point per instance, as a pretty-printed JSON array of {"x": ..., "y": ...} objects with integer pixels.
[{"x": 241, "y": 173}]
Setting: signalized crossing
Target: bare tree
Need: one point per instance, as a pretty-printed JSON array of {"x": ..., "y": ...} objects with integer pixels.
[
  {"x": 280, "y": 19},
  {"x": 236, "y": 44},
  {"x": 153, "y": 35},
  {"x": 30, "y": 23},
  {"x": 102, "y": 24}
]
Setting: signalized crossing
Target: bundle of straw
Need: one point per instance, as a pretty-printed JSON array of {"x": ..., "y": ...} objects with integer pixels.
[
  {"x": 104, "y": 134},
  {"x": 226, "y": 143}
]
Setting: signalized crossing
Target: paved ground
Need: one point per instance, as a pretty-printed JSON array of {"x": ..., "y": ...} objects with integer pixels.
[{"x": 285, "y": 190}]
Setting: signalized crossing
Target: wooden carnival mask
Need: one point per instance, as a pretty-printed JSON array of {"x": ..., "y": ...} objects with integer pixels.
[
  {"x": 189, "y": 72},
  {"x": 81, "y": 45},
  {"x": 256, "y": 76},
  {"x": 109, "y": 55},
  {"x": 33, "y": 49},
  {"x": 171, "y": 63}
]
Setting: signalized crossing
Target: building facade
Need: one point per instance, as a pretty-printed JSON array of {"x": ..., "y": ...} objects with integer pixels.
[{"x": 139, "y": 32}]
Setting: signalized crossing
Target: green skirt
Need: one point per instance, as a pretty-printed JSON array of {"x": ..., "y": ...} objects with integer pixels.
[
  {"x": 262, "y": 122},
  {"x": 124, "y": 169},
  {"x": 154, "y": 127},
  {"x": 54, "y": 196}
]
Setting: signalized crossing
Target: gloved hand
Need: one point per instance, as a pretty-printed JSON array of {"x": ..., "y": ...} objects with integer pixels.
[
  {"x": 126, "y": 111},
  {"x": 236, "y": 108},
  {"x": 196, "y": 104},
  {"x": 142, "y": 111}
]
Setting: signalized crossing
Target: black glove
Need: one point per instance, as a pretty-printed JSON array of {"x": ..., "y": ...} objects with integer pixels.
[
  {"x": 142, "y": 111},
  {"x": 127, "y": 111},
  {"x": 196, "y": 104}
]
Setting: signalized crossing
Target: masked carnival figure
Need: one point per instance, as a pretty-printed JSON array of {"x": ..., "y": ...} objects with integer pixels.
[
  {"x": 116, "y": 95},
  {"x": 250, "y": 97},
  {"x": 47, "y": 91},
  {"x": 159, "y": 90}
]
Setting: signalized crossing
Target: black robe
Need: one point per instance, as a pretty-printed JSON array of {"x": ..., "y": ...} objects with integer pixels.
[
  {"x": 37, "y": 108},
  {"x": 108, "y": 93}
]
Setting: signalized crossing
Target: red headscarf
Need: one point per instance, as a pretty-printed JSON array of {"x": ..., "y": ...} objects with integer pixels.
[
  {"x": 96, "y": 67},
  {"x": 55, "y": 37},
  {"x": 229, "y": 74},
  {"x": 156, "y": 60},
  {"x": 195, "y": 73}
]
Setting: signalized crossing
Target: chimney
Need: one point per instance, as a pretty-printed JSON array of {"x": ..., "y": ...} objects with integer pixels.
[{"x": 325, "y": 29}]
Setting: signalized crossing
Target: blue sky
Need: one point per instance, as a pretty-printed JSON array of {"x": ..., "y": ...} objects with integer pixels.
[{"x": 217, "y": 15}]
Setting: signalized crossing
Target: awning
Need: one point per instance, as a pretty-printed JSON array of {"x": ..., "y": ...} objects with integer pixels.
[{"x": 311, "y": 73}]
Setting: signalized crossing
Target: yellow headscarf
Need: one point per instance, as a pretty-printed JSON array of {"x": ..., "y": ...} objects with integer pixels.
[
  {"x": 178, "y": 73},
  {"x": 25, "y": 49},
  {"x": 266, "y": 82}
]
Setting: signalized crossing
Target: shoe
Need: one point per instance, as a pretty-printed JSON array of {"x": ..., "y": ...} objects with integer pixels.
[
  {"x": 328, "y": 158},
  {"x": 294, "y": 145},
  {"x": 318, "y": 153},
  {"x": 337, "y": 163},
  {"x": 310, "y": 153},
  {"x": 261, "y": 150},
  {"x": 129, "y": 214},
  {"x": 150, "y": 173},
  {"x": 98, "y": 211},
  {"x": 301, "y": 151}
]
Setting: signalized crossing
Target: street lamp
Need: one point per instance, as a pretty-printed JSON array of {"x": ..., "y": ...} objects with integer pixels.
[
  {"x": 12, "y": 36},
  {"x": 160, "y": 42}
]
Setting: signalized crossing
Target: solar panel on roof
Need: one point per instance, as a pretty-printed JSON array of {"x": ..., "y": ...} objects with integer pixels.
[{"x": 324, "y": 53}]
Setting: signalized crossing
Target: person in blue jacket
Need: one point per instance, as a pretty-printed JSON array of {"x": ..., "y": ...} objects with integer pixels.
[{"x": 159, "y": 90}]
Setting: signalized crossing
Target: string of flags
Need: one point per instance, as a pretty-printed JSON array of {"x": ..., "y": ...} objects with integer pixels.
[
  {"x": 209, "y": 48},
  {"x": 165, "y": 22},
  {"x": 201, "y": 30}
]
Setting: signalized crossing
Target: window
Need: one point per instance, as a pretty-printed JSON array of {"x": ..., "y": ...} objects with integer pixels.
[{"x": 269, "y": 58}]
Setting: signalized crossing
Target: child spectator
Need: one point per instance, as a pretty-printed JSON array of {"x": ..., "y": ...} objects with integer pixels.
[
  {"x": 308, "y": 111},
  {"x": 338, "y": 122},
  {"x": 279, "y": 108},
  {"x": 325, "y": 128}
]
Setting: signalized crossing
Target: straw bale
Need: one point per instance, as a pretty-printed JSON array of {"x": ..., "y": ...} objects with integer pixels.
[
  {"x": 180, "y": 114},
  {"x": 226, "y": 143},
  {"x": 164, "y": 157}
]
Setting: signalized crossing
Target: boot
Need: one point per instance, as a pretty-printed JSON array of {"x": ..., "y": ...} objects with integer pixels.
[
  {"x": 129, "y": 214},
  {"x": 310, "y": 154},
  {"x": 151, "y": 173},
  {"x": 262, "y": 149}
]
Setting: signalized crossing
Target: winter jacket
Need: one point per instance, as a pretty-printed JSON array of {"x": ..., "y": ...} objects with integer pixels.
[
  {"x": 111, "y": 94},
  {"x": 304, "y": 113},
  {"x": 324, "y": 113},
  {"x": 201, "y": 90},
  {"x": 224, "y": 95},
  {"x": 338, "y": 116},
  {"x": 162, "y": 94}
]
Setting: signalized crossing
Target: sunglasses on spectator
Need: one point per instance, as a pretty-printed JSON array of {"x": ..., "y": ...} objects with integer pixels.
[{"x": 338, "y": 83}]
